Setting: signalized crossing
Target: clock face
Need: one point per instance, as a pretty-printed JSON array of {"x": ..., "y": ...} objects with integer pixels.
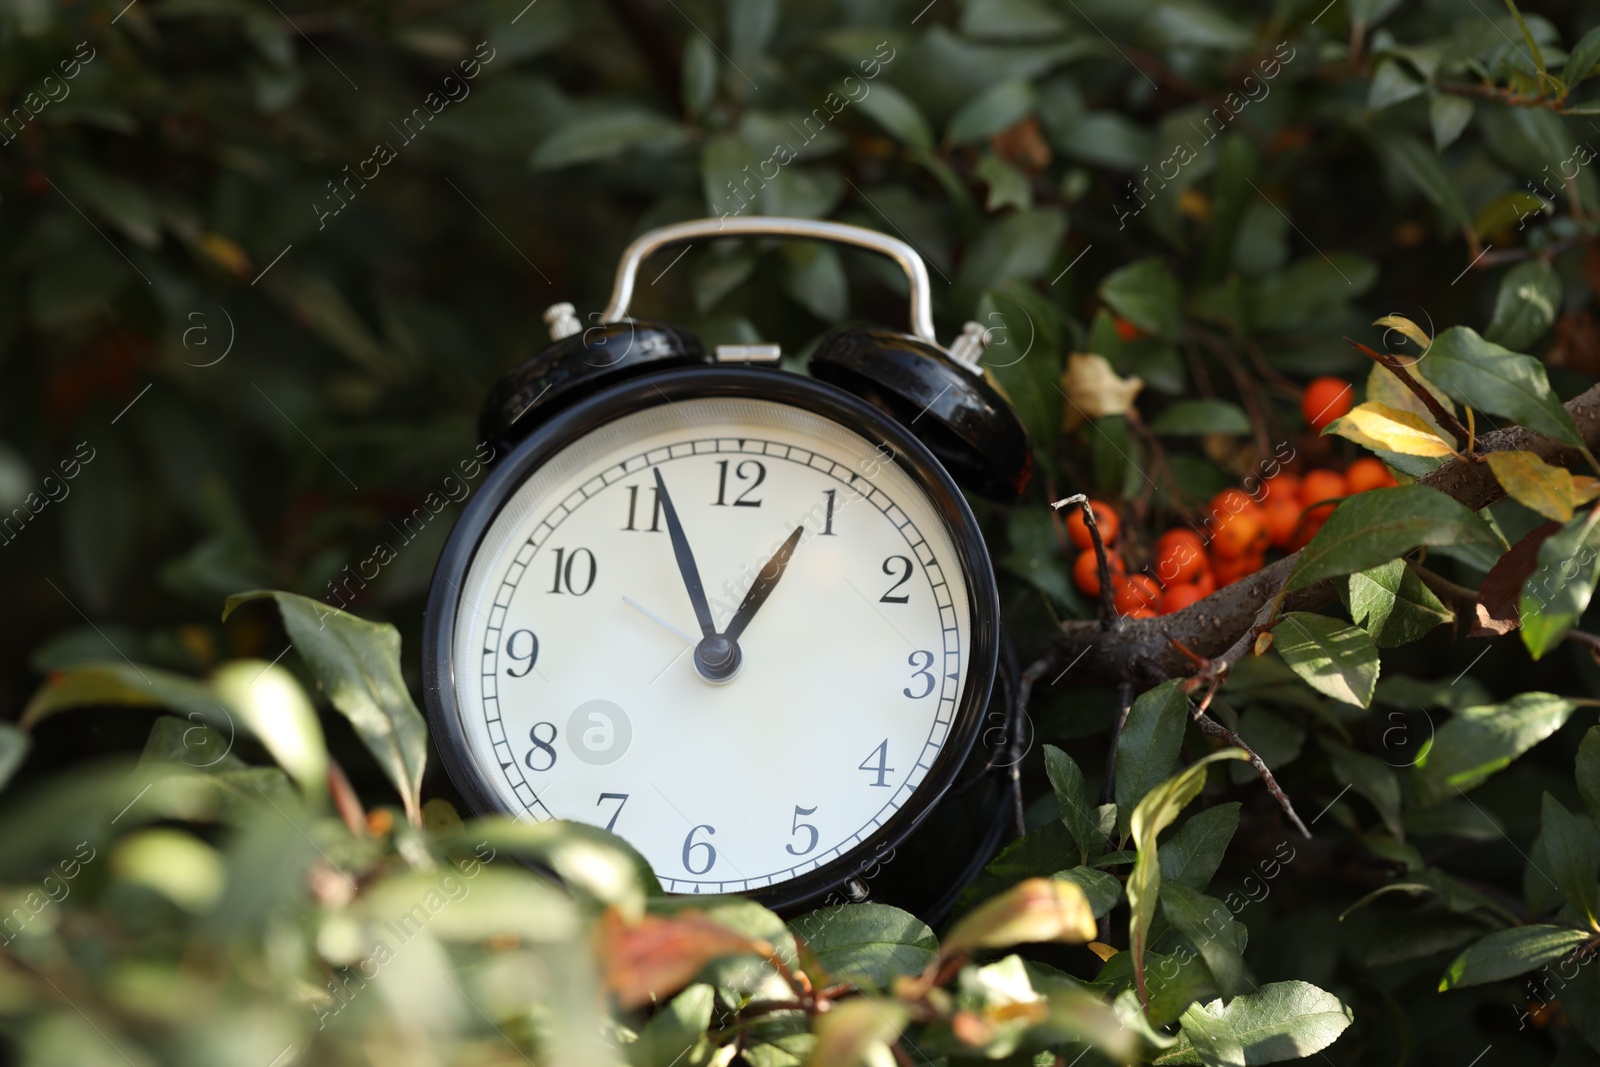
[{"x": 587, "y": 686}]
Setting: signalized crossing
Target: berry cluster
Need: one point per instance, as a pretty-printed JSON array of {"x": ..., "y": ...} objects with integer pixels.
[{"x": 1190, "y": 563}]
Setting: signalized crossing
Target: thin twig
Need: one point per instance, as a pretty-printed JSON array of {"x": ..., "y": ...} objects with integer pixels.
[
  {"x": 1210, "y": 726},
  {"x": 1110, "y": 618},
  {"x": 1441, "y": 414}
]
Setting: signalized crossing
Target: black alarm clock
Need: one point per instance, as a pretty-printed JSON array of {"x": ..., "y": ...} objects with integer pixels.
[{"x": 742, "y": 617}]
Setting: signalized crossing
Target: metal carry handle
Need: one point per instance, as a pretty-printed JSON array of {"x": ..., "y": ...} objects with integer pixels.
[{"x": 774, "y": 226}]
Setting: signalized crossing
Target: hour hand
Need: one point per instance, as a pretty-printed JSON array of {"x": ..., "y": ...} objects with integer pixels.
[
  {"x": 685, "y": 557},
  {"x": 763, "y": 586}
]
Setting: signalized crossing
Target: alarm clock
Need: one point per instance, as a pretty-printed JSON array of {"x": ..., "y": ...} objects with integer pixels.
[{"x": 740, "y": 616}]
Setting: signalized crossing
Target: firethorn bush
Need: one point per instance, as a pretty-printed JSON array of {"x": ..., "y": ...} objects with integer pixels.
[{"x": 1298, "y": 297}]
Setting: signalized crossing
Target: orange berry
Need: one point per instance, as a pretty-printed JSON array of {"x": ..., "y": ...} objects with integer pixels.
[
  {"x": 1087, "y": 574},
  {"x": 1126, "y": 330},
  {"x": 1367, "y": 473},
  {"x": 1180, "y": 556},
  {"x": 1178, "y": 597},
  {"x": 1282, "y": 487},
  {"x": 1320, "y": 485},
  {"x": 1134, "y": 593},
  {"x": 1326, "y": 399},
  {"x": 1231, "y": 501},
  {"x": 1236, "y": 534},
  {"x": 1104, "y": 518},
  {"x": 1143, "y": 613},
  {"x": 1279, "y": 519},
  {"x": 1206, "y": 583}
]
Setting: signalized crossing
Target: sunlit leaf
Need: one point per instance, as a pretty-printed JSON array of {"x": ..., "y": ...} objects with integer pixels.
[
  {"x": 1038, "y": 909},
  {"x": 1379, "y": 525},
  {"x": 1280, "y": 1021},
  {"x": 357, "y": 664},
  {"x": 1478, "y": 742},
  {"x": 1155, "y": 813},
  {"x": 1537, "y": 485},
  {"x": 1338, "y": 660},
  {"x": 856, "y": 1029},
  {"x": 1508, "y": 953},
  {"x": 1486, "y": 376},
  {"x": 1380, "y": 426}
]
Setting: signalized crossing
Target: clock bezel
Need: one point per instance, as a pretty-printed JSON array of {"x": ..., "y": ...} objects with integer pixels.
[{"x": 545, "y": 441}]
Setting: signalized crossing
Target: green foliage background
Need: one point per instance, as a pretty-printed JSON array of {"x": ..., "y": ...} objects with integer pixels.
[{"x": 266, "y": 385}]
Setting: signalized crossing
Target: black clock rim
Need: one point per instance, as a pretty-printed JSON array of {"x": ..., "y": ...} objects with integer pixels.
[{"x": 512, "y": 469}]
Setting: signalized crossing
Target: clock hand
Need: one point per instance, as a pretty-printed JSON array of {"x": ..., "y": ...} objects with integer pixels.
[
  {"x": 686, "y": 567},
  {"x": 657, "y": 619},
  {"x": 763, "y": 586}
]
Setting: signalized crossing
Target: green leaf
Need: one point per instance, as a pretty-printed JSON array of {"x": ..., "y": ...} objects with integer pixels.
[
  {"x": 1160, "y": 806},
  {"x": 1508, "y": 953},
  {"x": 1526, "y": 305},
  {"x": 1393, "y": 82},
  {"x": 816, "y": 281},
  {"x": 121, "y": 203},
  {"x": 898, "y": 115},
  {"x": 1024, "y": 359},
  {"x": 1102, "y": 890},
  {"x": 13, "y": 750},
  {"x": 1588, "y": 771},
  {"x": 1409, "y": 157},
  {"x": 1557, "y": 593},
  {"x": 1211, "y": 929},
  {"x": 1486, "y": 376},
  {"x": 1072, "y": 797},
  {"x": 674, "y": 1030},
  {"x": 1147, "y": 748},
  {"x": 867, "y": 943},
  {"x": 1582, "y": 59},
  {"x": 1008, "y": 186},
  {"x": 1572, "y": 847},
  {"x": 1529, "y": 39},
  {"x": 591, "y": 136},
  {"x": 1448, "y": 115},
  {"x": 266, "y": 701},
  {"x": 998, "y": 108},
  {"x": 1193, "y": 853},
  {"x": 1393, "y": 605},
  {"x": 1280, "y": 1021},
  {"x": 357, "y": 663},
  {"x": 1338, "y": 660},
  {"x": 1019, "y": 245},
  {"x": 1372, "y": 778},
  {"x": 1372, "y": 528},
  {"x": 1477, "y": 742},
  {"x": 1197, "y": 417},
  {"x": 750, "y": 27},
  {"x": 1146, "y": 293},
  {"x": 1212, "y": 1038},
  {"x": 699, "y": 74}
]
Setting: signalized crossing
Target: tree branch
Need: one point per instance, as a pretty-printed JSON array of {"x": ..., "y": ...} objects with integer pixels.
[{"x": 1143, "y": 651}]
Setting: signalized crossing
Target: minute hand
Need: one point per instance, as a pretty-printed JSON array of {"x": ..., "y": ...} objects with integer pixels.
[
  {"x": 686, "y": 566},
  {"x": 764, "y": 584}
]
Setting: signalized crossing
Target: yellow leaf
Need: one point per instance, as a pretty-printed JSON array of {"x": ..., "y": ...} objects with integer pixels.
[
  {"x": 1532, "y": 482},
  {"x": 225, "y": 253},
  {"x": 1038, "y": 909},
  {"x": 1094, "y": 389},
  {"x": 1410, "y": 329},
  {"x": 1384, "y": 388},
  {"x": 1584, "y": 488},
  {"x": 1377, "y": 425},
  {"x": 1103, "y": 950}
]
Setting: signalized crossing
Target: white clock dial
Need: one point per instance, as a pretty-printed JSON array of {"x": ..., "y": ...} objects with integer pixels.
[{"x": 574, "y": 642}]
